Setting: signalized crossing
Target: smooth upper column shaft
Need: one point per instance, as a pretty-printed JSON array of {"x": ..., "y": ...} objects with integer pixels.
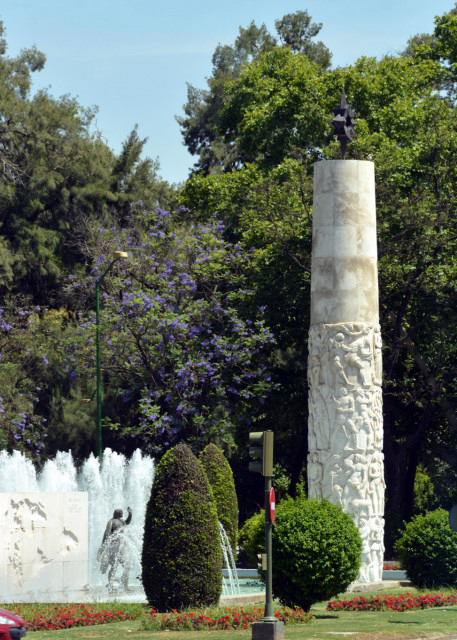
[{"x": 344, "y": 276}]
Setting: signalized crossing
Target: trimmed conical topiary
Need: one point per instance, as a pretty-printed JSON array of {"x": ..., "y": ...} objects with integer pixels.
[
  {"x": 220, "y": 478},
  {"x": 182, "y": 558}
]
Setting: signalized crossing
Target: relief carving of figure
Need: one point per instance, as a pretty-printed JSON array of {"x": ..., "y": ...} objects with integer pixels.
[
  {"x": 319, "y": 430},
  {"x": 353, "y": 360},
  {"x": 377, "y": 410},
  {"x": 345, "y": 402},
  {"x": 315, "y": 367},
  {"x": 364, "y": 529},
  {"x": 344, "y": 421},
  {"x": 346, "y": 434},
  {"x": 376, "y": 482},
  {"x": 366, "y": 429},
  {"x": 355, "y": 494},
  {"x": 377, "y": 375},
  {"x": 338, "y": 371},
  {"x": 334, "y": 479},
  {"x": 357, "y": 354},
  {"x": 376, "y": 551},
  {"x": 315, "y": 475}
]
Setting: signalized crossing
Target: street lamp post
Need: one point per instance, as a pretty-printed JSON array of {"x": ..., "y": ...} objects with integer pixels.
[{"x": 118, "y": 255}]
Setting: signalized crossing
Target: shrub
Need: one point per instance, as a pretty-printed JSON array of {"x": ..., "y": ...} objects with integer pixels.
[
  {"x": 252, "y": 538},
  {"x": 220, "y": 478},
  {"x": 316, "y": 551},
  {"x": 181, "y": 559},
  {"x": 427, "y": 550},
  {"x": 219, "y": 619}
]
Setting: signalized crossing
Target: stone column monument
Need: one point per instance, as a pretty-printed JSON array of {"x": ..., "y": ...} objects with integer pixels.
[{"x": 345, "y": 462}]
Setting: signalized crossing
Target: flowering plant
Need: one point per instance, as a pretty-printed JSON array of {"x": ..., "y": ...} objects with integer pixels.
[
  {"x": 51, "y": 617},
  {"x": 39, "y": 617},
  {"x": 392, "y": 566},
  {"x": 182, "y": 352},
  {"x": 221, "y": 618},
  {"x": 403, "y": 602}
]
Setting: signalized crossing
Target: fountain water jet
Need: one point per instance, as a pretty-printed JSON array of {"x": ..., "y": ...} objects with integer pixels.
[
  {"x": 116, "y": 483},
  {"x": 233, "y": 586}
]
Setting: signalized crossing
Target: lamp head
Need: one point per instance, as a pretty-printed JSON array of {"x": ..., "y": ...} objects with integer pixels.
[{"x": 119, "y": 255}]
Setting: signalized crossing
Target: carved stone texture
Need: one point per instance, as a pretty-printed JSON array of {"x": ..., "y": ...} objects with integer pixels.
[
  {"x": 345, "y": 463},
  {"x": 44, "y": 546}
]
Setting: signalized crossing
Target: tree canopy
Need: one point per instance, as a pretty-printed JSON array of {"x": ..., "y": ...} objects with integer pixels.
[
  {"x": 277, "y": 111},
  {"x": 204, "y": 327},
  {"x": 56, "y": 172},
  {"x": 181, "y": 358},
  {"x": 200, "y": 124}
]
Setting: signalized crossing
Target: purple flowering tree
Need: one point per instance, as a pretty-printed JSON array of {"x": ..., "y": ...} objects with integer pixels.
[{"x": 181, "y": 358}]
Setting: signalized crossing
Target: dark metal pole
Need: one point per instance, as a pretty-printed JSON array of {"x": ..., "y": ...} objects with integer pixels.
[
  {"x": 99, "y": 377},
  {"x": 268, "y": 613},
  {"x": 119, "y": 255}
]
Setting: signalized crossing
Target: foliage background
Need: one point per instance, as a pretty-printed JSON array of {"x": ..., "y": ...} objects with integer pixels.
[{"x": 67, "y": 201}]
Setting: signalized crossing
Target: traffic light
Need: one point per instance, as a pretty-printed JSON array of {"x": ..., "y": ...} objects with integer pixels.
[
  {"x": 262, "y": 562},
  {"x": 261, "y": 446}
]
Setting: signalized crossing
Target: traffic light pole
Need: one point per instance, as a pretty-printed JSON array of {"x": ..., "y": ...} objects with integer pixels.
[
  {"x": 261, "y": 447},
  {"x": 268, "y": 615}
]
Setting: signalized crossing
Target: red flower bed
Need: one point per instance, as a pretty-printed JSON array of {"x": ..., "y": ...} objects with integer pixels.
[
  {"x": 39, "y": 616},
  {"x": 403, "y": 602},
  {"x": 219, "y": 618},
  {"x": 391, "y": 566},
  {"x": 50, "y": 616}
]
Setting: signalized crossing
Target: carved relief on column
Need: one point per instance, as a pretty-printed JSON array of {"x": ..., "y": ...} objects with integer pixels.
[{"x": 346, "y": 463}]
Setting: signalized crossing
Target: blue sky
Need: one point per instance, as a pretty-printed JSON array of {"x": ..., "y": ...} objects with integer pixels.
[{"x": 133, "y": 59}]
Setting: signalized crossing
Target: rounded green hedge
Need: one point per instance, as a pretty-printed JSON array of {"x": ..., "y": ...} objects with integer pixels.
[
  {"x": 316, "y": 552},
  {"x": 181, "y": 558},
  {"x": 251, "y": 538},
  {"x": 221, "y": 481},
  {"x": 427, "y": 549}
]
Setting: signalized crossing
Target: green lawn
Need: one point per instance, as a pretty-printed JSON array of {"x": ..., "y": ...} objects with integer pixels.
[{"x": 367, "y": 625}]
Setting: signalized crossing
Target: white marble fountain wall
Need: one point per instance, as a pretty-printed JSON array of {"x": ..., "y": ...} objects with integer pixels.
[
  {"x": 43, "y": 546},
  {"x": 53, "y": 523}
]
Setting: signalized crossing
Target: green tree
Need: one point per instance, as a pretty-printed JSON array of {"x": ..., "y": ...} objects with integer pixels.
[
  {"x": 252, "y": 538},
  {"x": 408, "y": 130},
  {"x": 28, "y": 372},
  {"x": 220, "y": 478},
  {"x": 135, "y": 178},
  {"x": 181, "y": 557},
  {"x": 424, "y": 492},
  {"x": 182, "y": 359},
  {"x": 295, "y": 30},
  {"x": 269, "y": 212},
  {"x": 57, "y": 173},
  {"x": 200, "y": 124},
  {"x": 58, "y": 181}
]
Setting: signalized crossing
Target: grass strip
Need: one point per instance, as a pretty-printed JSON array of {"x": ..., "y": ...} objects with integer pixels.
[{"x": 385, "y": 624}]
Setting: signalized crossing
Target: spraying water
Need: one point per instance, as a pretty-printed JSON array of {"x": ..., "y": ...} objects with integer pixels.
[
  {"x": 231, "y": 586},
  {"x": 116, "y": 483}
]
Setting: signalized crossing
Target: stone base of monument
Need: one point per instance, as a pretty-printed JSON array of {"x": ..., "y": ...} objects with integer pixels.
[
  {"x": 268, "y": 630},
  {"x": 376, "y": 586}
]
